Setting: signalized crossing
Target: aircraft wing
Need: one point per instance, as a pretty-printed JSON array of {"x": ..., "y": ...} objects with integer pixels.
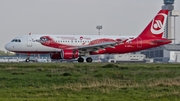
[{"x": 94, "y": 48}]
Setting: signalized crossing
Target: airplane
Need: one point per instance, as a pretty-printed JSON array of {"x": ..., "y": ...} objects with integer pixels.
[{"x": 77, "y": 46}]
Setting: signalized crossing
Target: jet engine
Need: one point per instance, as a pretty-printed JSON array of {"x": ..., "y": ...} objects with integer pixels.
[{"x": 69, "y": 54}]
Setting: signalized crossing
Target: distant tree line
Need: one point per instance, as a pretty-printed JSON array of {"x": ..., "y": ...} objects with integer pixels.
[
  {"x": 7, "y": 53},
  {"x": 3, "y": 53}
]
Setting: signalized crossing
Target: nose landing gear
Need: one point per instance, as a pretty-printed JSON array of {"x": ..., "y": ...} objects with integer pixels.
[{"x": 28, "y": 58}]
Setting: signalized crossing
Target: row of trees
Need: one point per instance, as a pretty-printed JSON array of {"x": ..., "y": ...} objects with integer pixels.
[{"x": 7, "y": 53}]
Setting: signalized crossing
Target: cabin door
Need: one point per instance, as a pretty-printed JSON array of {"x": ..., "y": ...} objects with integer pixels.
[{"x": 29, "y": 41}]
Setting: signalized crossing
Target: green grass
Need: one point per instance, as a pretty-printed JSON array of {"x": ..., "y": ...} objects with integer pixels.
[{"x": 89, "y": 82}]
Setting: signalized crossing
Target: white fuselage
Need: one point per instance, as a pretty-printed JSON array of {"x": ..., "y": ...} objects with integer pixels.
[{"x": 29, "y": 43}]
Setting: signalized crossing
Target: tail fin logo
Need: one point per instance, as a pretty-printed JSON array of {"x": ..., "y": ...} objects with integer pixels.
[{"x": 158, "y": 23}]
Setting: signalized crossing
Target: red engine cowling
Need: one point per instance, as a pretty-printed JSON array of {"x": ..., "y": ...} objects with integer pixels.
[
  {"x": 56, "y": 55},
  {"x": 69, "y": 54}
]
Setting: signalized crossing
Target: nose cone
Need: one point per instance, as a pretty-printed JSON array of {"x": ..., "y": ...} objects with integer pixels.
[{"x": 7, "y": 47}]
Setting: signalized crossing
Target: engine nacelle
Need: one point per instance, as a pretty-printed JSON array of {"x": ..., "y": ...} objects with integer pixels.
[
  {"x": 56, "y": 55},
  {"x": 69, "y": 54}
]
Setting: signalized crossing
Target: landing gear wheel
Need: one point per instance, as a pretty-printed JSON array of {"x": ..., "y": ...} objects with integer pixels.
[
  {"x": 89, "y": 60},
  {"x": 27, "y": 60},
  {"x": 80, "y": 59},
  {"x": 28, "y": 57}
]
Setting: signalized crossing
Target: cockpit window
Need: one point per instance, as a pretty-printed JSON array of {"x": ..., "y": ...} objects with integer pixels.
[
  {"x": 16, "y": 40},
  {"x": 13, "y": 40}
]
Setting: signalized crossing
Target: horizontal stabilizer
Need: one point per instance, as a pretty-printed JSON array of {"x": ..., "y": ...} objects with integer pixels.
[{"x": 161, "y": 41}]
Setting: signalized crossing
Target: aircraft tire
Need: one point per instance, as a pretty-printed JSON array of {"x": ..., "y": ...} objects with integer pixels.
[
  {"x": 27, "y": 60},
  {"x": 89, "y": 60},
  {"x": 80, "y": 59}
]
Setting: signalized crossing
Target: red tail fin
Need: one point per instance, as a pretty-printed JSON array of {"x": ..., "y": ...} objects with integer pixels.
[{"x": 156, "y": 26}]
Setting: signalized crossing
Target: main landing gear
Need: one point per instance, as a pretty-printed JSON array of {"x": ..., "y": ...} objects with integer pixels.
[
  {"x": 88, "y": 60},
  {"x": 80, "y": 59}
]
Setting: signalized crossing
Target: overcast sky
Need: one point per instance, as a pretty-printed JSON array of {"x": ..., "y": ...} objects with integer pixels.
[{"x": 118, "y": 17}]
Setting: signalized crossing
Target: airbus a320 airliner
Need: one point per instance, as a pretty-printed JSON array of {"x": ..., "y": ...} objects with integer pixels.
[{"x": 76, "y": 46}]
